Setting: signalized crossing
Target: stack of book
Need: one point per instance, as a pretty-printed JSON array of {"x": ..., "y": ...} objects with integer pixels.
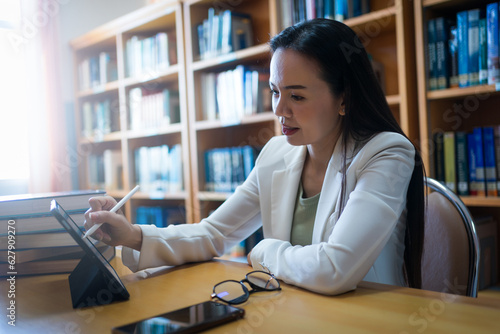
[
  {"x": 34, "y": 242},
  {"x": 463, "y": 49},
  {"x": 469, "y": 162}
]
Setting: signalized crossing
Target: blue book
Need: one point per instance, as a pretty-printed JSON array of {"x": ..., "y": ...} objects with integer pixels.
[
  {"x": 453, "y": 57},
  {"x": 492, "y": 43},
  {"x": 431, "y": 50},
  {"x": 461, "y": 162},
  {"x": 340, "y": 10},
  {"x": 209, "y": 172},
  {"x": 489, "y": 161},
  {"x": 248, "y": 159},
  {"x": 483, "y": 53},
  {"x": 442, "y": 57},
  {"x": 463, "y": 48},
  {"x": 471, "y": 144},
  {"x": 473, "y": 15},
  {"x": 479, "y": 154}
]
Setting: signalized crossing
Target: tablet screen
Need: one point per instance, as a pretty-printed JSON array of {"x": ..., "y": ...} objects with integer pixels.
[{"x": 85, "y": 243}]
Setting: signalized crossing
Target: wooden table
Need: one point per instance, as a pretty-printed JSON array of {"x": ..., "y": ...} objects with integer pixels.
[{"x": 43, "y": 305}]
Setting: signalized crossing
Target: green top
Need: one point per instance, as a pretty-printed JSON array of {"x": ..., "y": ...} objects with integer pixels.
[{"x": 303, "y": 218}]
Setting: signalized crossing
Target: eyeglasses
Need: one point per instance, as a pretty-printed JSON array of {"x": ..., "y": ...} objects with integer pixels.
[{"x": 236, "y": 292}]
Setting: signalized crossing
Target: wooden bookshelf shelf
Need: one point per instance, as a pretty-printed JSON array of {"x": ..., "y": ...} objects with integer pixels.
[
  {"x": 171, "y": 74},
  {"x": 258, "y": 118},
  {"x": 393, "y": 100},
  {"x": 453, "y": 93},
  {"x": 110, "y": 137},
  {"x": 107, "y": 88},
  {"x": 161, "y": 196},
  {"x": 481, "y": 201},
  {"x": 213, "y": 196},
  {"x": 171, "y": 129},
  {"x": 248, "y": 54},
  {"x": 374, "y": 22}
]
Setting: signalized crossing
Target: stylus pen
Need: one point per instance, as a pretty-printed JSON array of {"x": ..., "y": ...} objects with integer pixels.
[{"x": 114, "y": 209}]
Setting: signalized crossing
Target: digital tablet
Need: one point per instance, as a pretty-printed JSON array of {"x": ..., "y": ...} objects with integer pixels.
[{"x": 94, "y": 281}]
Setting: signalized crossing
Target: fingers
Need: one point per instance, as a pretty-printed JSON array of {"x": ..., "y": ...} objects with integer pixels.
[{"x": 98, "y": 204}]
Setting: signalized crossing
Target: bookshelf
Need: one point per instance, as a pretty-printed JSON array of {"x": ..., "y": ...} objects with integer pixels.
[
  {"x": 387, "y": 31},
  {"x": 448, "y": 108},
  {"x": 138, "y": 73}
]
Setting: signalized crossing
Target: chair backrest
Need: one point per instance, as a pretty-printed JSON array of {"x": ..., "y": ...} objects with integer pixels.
[{"x": 450, "y": 258}]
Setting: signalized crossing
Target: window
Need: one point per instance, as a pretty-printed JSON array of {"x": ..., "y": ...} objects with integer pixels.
[{"x": 14, "y": 154}]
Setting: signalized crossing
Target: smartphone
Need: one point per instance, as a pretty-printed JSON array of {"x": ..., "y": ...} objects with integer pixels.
[{"x": 191, "y": 319}]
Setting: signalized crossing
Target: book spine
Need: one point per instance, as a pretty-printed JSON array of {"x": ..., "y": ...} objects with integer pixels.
[
  {"x": 479, "y": 154},
  {"x": 489, "y": 161},
  {"x": 461, "y": 156},
  {"x": 471, "y": 150},
  {"x": 431, "y": 49},
  {"x": 463, "y": 49},
  {"x": 442, "y": 57},
  {"x": 483, "y": 53},
  {"x": 473, "y": 16},
  {"x": 492, "y": 43},
  {"x": 453, "y": 55},
  {"x": 439, "y": 157},
  {"x": 496, "y": 135},
  {"x": 449, "y": 160}
]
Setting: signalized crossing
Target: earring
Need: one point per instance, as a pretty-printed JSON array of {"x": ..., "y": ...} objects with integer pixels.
[{"x": 342, "y": 111}]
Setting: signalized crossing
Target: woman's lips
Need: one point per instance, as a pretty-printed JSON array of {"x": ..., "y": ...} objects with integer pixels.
[{"x": 288, "y": 131}]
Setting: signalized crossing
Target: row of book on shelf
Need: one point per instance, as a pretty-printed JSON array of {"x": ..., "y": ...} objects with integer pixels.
[
  {"x": 105, "y": 171},
  {"x": 158, "y": 169},
  {"x": 100, "y": 118},
  {"x": 228, "y": 167},
  {"x": 150, "y": 54},
  {"x": 230, "y": 95},
  {"x": 41, "y": 245},
  {"x": 469, "y": 162},
  {"x": 161, "y": 216},
  {"x": 223, "y": 32},
  {"x": 295, "y": 11},
  {"x": 98, "y": 70},
  {"x": 153, "y": 108},
  {"x": 463, "y": 49}
]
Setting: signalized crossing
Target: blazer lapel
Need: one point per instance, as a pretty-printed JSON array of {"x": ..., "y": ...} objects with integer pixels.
[{"x": 284, "y": 189}]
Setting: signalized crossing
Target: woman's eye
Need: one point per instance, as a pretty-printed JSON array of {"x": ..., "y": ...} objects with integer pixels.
[
  {"x": 273, "y": 92},
  {"x": 297, "y": 98}
]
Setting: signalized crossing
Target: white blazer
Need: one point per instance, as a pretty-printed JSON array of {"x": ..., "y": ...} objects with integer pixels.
[{"x": 365, "y": 242}]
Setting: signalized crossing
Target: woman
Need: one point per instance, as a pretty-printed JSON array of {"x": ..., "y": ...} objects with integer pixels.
[{"x": 340, "y": 195}]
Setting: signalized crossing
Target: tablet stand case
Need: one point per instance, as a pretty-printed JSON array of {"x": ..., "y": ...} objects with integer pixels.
[{"x": 90, "y": 286}]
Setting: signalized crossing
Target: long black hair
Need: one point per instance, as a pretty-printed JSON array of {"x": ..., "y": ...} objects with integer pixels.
[{"x": 346, "y": 68}]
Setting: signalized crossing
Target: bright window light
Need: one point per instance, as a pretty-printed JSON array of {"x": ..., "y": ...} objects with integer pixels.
[{"x": 14, "y": 154}]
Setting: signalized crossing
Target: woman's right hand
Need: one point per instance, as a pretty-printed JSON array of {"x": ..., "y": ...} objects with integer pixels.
[{"x": 115, "y": 229}]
